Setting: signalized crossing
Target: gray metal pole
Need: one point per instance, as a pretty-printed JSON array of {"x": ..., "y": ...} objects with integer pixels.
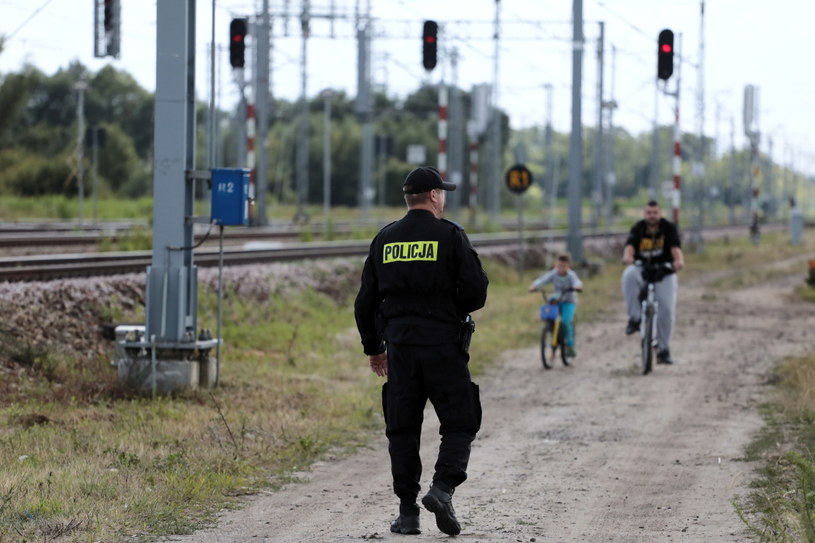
[
  {"x": 219, "y": 148},
  {"x": 731, "y": 212},
  {"x": 364, "y": 114},
  {"x": 549, "y": 159},
  {"x": 597, "y": 192},
  {"x": 211, "y": 127},
  {"x": 769, "y": 190},
  {"x": 95, "y": 150},
  {"x": 380, "y": 167},
  {"x": 553, "y": 200},
  {"x": 611, "y": 178},
  {"x": 219, "y": 316},
  {"x": 519, "y": 203},
  {"x": 702, "y": 195},
  {"x": 327, "y": 95},
  {"x": 80, "y": 87},
  {"x": 262, "y": 115},
  {"x": 171, "y": 288},
  {"x": 495, "y": 132},
  {"x": 785, "y": 191},
  {"x": 574, "y": 238},
  {"x": 301, "y": 174}
]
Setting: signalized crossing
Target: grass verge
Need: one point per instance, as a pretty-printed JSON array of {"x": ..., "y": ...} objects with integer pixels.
[{"x": 781, "y": 505}]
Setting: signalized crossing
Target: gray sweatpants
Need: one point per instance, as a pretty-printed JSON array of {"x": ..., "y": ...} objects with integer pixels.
[{"x": 665, "y": 292}]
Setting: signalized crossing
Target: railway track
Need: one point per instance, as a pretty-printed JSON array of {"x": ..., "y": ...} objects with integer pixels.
[
  {"x": 45, "y": 267},
  {"x": 16, "y": 237}
]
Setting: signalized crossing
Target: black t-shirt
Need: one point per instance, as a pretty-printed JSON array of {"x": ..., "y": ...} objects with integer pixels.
[{"x": 656, "y": 247}]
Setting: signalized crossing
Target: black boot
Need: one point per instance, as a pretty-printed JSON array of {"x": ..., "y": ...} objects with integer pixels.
[
  {"x": 408, "y": 521},
  {"x": 440, "y": 503},
  {"x": 664, "y": 357}
]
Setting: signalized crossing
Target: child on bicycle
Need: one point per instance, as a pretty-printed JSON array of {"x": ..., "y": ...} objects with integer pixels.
[{"x": 565, "y": 283}]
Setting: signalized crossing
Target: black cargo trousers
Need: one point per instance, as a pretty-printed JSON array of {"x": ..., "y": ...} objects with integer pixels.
[{"x": 439, "y": 373}]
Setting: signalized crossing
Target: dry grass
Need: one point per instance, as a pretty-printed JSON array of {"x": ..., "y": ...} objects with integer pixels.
[
  {"x": 781, "y": 507},
  {"x": 108, "y": 467}
]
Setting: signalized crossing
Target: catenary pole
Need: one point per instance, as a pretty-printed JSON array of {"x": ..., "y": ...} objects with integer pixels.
[
  {"x": 327, "y": 96},
  {"x": 495, "y": 131},
  {"x": 597, "y": 192},
  {"x": 301, "y": 175},
  {"x": 80, "y": 87},
  {"x": 574, "y": 238},
  {"x": 677, "y": 156},
  {"x": 262, "y": 112}
]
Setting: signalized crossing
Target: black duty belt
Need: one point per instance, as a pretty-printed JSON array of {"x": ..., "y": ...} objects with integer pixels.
[{"x": 413, "y": 320}]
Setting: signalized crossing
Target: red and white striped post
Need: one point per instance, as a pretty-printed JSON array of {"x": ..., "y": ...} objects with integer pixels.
[
  {"x": 677, "y": 163},
  {"x": 250, "y": 155},
  {"x": 443, "y": 130},
  {"x": 473, "y": 201}
]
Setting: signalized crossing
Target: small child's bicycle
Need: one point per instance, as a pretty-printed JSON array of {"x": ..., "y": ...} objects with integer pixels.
[{"x": 553, "y": 335}]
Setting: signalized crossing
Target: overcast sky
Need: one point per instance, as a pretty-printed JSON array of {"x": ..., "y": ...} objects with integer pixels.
[{"x": 747, "y": 42}]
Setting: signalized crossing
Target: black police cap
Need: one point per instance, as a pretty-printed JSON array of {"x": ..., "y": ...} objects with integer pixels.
[{"x": 425, "y": 179}]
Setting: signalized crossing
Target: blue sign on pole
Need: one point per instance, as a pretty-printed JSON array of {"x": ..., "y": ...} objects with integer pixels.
[{"x": 230, "y": 196}]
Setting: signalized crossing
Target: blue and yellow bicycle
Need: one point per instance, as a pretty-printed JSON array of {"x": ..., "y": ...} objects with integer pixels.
[{"x": 553, "y": 334}]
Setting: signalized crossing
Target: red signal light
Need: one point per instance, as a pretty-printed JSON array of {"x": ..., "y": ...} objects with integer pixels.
[
  {"x": 237, "y": 42},
  {"x": 665, "y": 54},
  {"x": 429, "y": 44}
]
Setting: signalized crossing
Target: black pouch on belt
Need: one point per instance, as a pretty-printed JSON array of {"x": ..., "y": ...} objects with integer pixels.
[{"x": 466, "y": 333}]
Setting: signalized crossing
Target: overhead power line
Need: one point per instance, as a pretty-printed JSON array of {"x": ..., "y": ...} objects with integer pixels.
[{"x": 39, "y": 9}]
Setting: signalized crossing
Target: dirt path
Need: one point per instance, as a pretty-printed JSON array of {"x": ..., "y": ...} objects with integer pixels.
[{"x": 592, "y": 453}]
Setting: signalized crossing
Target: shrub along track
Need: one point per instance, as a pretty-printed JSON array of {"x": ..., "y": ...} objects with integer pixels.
[{"x": 584, "y": 454}]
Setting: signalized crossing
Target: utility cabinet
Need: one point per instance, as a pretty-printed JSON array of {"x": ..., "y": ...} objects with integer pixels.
[{"x": 230, "y": 196}]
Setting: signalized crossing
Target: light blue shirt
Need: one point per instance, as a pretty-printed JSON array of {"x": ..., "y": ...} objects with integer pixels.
[{"x": 561, "y": 284}]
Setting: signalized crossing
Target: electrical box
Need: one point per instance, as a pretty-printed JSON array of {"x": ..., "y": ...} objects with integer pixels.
[{"x": 230, "y": 196}]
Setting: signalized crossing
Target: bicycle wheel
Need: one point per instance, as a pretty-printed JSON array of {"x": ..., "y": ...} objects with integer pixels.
[
  {"x": 546, "y": 343},
  {"x": 561, "y": 341},
  {"x": 648, "y": 342}
]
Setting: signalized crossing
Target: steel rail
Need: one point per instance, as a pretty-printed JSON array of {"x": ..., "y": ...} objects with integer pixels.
[{"x": 46, "y": 267}]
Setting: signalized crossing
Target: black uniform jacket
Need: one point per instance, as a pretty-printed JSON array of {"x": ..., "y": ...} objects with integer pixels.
[{"x": 421, "y": 278}]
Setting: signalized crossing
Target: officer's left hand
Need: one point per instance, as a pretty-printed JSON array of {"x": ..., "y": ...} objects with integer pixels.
[{"x": 379, "y": 363}]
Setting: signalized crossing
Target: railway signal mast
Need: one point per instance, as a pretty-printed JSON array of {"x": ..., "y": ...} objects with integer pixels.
[{"x": 665, "y": 69}]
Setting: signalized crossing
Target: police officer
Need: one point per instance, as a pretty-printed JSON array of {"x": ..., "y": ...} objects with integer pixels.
[{"x": 421, "y": 280}]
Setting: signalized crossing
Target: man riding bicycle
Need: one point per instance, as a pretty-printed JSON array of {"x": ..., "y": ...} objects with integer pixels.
[{"x": 653, "y": 240}]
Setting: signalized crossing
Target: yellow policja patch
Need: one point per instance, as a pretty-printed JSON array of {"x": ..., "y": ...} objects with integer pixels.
[{"x": 406, "y": 251}]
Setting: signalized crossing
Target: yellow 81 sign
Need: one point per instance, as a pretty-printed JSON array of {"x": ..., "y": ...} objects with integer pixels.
[{"x": 518, "y": 179}]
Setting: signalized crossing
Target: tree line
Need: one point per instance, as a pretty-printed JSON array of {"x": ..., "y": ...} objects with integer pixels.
[{"x": 38, "y": 143}]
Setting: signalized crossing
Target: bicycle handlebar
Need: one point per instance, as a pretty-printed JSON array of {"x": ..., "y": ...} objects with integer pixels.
[
  {"x": 563, "y": 294},
  {"x": 654, "y": 272},
  {"x": 654, "y": 265}
]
